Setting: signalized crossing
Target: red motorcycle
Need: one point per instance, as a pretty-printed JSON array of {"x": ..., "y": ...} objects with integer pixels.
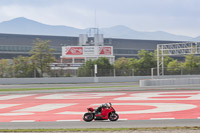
[{"x": 103, "y": 112}]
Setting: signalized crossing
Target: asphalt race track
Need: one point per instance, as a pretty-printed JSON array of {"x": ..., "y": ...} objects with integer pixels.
[
  {"x": 137, "y": 107},
  {"x": 99, "y": 124}
]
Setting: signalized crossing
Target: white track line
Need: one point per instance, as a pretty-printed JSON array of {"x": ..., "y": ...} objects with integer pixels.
[
  {"x": 123, "y": 119},
  {"x": 2, "y": 106},
  {"x": 162, "y": 118},
  {"x": 23, "y": 121},
  {"x": 43, "y": 107},
  {"x": 9, "y": 97},
  {"x": 15, "y": 114},
  {"x": 66, "y": 120}
]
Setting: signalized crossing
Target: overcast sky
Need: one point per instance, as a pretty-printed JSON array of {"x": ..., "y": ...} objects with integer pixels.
[{"x": 174, "y": 16}]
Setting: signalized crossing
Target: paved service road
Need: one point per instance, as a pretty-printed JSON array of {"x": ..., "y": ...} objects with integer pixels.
[
  {"x": 122, "y": 86},
  {"x": 67, "y": 85},
  {"x": 99, "y": 124}
]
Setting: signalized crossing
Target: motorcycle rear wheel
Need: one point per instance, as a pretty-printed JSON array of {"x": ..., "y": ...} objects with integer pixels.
[
  {"x": 88, "y": 117},
  {"x": 113, "y": 117}
]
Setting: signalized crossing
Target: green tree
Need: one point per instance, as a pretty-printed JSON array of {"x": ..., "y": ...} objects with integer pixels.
[
  {"x": 5, "y": 68},
  {"x": 191, "y": 64},
  {"x": 103, "y": 65},
  {"x": 174, "y": 67},
  {"x": 42, "y": 56},
  {"x": 167, "y": 59},
  {"x": 121, "y": 63},
  {"x": 124, "y": 66},
  {"x": 191, "y": 61},
  {"x": 145, "y": 62},
  {"x": 86, "y": 70},
  {"x": 23, "y": 67}
]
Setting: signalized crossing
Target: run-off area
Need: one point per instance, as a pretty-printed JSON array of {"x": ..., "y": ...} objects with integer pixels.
[{"x": 69, "y": 106}]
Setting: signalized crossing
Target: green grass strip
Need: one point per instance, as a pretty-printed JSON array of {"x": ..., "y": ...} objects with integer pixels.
[
  {"x": 62, "y": 88},
  {"x": 101, "y": 129}
]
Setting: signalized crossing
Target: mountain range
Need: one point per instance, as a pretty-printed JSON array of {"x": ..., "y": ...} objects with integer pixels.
[{"x": 26, "y": 26}]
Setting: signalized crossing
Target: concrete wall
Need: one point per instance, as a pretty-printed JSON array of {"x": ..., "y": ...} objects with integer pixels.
[
  {"x": 86, "y": 79},
  {"x": 170, "y": 81},
  {"x": 68, "y": 80}
]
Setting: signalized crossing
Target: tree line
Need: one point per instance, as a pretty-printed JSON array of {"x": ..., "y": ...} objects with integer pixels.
[
  {"x": 34, "y": 66},
  {"x": 141, "y": 66},
  {"x": 41, "y": 56}
]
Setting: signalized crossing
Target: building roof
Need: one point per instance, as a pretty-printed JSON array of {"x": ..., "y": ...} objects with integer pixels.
[
  {"x": 12, "y": 45},
  {"x": 27, "y": 40}
]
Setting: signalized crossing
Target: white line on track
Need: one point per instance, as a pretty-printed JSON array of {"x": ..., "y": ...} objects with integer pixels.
[
  {"x": 162, "y": 118},
  {"x": 15, "y": 114},
  {"x": 123, "y": 119},
  {"x": 7, "y": 105},
  {"x": 9, "y": 97},
  {"x": 43, "y": 107},
  {"x": 71, "y": 113},
  {"x": 23, "y": 121},
  {"x": 66, "y": 120}
]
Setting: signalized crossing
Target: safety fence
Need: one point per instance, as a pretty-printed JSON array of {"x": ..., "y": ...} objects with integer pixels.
[{"x": 101, "y": 73}]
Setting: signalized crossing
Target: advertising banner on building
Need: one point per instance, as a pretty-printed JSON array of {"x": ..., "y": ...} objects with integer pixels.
[
  {"x": 105, "y": 50},
  {"x": 73, "y": 50},
  {"x": 89, "y": 50},
  {"x": 77, "y": 51}
]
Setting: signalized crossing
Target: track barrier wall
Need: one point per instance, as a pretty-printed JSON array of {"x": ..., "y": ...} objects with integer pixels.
[
  {"x": 170, "y": 81},
  {"x": 144, "y": 80},
  {"x": 63, "y": 80}
]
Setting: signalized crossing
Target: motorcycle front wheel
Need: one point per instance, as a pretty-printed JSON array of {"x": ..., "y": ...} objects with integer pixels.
[
  {"x": 88, "y": 117},
  {"x": 113, "y": 117}
]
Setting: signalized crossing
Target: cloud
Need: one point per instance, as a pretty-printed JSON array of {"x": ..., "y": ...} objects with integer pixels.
[{"x": 175, "y": 16}]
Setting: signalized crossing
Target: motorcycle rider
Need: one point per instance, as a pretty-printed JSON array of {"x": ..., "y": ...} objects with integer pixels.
[
  {"x": 103, "y": 112},
  {"x": 99, "y": 109}
]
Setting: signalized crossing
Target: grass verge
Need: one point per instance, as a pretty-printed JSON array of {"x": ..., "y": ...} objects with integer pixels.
[
  {"x": 101, "y": 129},
  {"x": 62, "y": 88}
]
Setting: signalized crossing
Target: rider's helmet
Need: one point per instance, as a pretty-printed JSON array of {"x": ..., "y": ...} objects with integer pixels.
[{"x": 105, "y": 105}]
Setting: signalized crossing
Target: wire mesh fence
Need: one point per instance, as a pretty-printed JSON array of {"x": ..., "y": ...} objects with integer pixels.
[
  {"x": 176, "y": 71},
  {"x": 101, "y": 72}
]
